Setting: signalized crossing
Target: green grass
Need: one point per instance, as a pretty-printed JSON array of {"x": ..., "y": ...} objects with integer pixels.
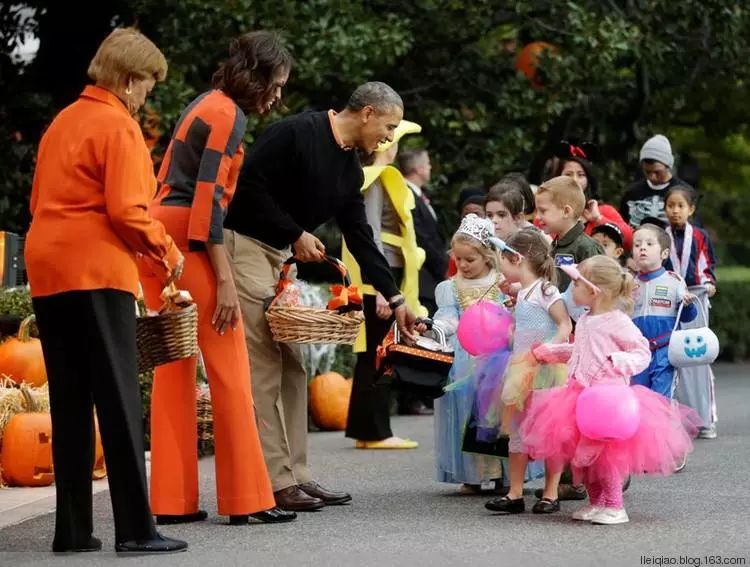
[{"x": 733, "y": 274}]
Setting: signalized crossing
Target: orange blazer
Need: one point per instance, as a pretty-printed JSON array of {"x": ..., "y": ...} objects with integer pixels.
[{"x": 89, "y": 201}]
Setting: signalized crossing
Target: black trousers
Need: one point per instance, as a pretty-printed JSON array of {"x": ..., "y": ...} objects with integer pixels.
[
  {"x": 369, "y": 406},
  {"x": 88, "y": 339}
]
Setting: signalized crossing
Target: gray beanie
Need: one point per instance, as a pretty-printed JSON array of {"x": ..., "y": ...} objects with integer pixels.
[{"x": 659, "y": 149}]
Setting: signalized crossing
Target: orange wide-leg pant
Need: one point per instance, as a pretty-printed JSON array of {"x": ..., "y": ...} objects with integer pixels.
[{"x": 242, "y": 482}]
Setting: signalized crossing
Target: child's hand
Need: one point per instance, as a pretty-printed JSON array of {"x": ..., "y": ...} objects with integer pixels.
[
  {"x": 710, "y": 289},
  {"x": 689, "y": 298},
  {"x": 421, "y": 327},
  {"x": 540, "y": 352}
]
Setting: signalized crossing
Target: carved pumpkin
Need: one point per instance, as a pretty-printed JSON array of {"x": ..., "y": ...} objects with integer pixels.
[
  {"x": 27, "y": 447},
  {"x": 21, "y": 357},
  {"x": 528, "y": 59},
  {"x": 329, "y": 401}
]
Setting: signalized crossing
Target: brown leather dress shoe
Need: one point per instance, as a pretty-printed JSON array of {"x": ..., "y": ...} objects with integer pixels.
[
  {"x": 295, "y": 500},
  {"x": 329, "y": 497}
]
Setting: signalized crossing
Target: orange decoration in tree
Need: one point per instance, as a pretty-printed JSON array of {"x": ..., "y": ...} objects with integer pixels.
[
  {"x": 528, "y": 59},
  {"x": 27, "y": 447},
  {"x": 21, "y": 357},
  {"x": 329, "y": 401}
]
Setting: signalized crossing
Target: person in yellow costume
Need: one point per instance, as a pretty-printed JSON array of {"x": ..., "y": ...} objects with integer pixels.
[{"x": 388, "y": 204}]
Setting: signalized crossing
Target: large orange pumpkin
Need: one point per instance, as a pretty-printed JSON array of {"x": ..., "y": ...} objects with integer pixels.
[
  {"x": 528, "y": 59},
  {"x": 329, "y": 401},
  {"x": 27, "y": 447},
  {"x": 21, "y": 357}
]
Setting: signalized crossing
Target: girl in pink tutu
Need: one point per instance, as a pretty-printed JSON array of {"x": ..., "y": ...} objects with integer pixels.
[{"x": 608, "y": 349}]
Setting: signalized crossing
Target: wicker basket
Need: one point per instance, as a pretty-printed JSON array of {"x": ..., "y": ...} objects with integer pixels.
[
  {"x": 313, "y": 324},
  {"x": 166, "y": 337}
]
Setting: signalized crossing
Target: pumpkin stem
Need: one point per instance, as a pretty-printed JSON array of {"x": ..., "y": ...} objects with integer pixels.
[
  {"x": 24, "y": 331},
  {"x": 32, "y": 406}
]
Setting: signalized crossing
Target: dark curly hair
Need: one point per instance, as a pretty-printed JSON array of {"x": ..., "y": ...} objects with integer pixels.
[{"x": 255, "y": 59}]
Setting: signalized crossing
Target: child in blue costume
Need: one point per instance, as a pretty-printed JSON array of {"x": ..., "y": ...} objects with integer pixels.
[
  {"x": 658, "y": 295},
  {"x": 477, "y": 278}
]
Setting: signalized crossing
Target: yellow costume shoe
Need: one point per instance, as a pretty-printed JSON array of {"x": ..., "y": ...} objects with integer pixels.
[{"x": 390, "y": 443}]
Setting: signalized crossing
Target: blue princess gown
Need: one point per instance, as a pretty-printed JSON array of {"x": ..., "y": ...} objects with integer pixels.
[{"x": 454, "y": 408}]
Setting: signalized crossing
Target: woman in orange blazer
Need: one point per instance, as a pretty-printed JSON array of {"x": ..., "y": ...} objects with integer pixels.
[
  {"x": 197, "y": 180},
  {"x": 92, "y": 184}
]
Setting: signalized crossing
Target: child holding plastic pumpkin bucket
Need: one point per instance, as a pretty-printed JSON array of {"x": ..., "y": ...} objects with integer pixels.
[
  {"x": 477, "y": 279},
  {"x": 608, "y": 350},
  {"x": 540, "y": 316}
]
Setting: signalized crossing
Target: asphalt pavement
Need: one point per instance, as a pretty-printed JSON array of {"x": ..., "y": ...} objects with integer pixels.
[{"x": 401, "y": 516}]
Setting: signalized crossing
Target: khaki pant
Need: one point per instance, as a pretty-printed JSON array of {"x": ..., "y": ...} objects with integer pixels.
[{"x": 279, "y": 380}]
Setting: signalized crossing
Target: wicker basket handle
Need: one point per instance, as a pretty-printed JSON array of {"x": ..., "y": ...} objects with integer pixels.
[
  {"x": 335, "y": 262},
  {"x": 140, "y": 299}
]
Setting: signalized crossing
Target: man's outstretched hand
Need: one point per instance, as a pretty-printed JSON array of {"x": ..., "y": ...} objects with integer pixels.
[{"x": 308, "y": 248}]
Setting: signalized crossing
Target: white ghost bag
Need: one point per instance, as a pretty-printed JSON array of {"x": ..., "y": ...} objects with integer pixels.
[{"x": 692, "y": 347}]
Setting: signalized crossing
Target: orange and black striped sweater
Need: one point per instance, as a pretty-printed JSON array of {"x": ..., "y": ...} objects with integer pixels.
[{"x": 198, "y": 176}]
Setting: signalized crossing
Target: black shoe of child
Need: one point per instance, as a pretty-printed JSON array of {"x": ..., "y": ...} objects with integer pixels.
[
  {"x": 566, "y": 492},
  {"x": 546, "y": 506},
  {"x": 505, "y": 505}
]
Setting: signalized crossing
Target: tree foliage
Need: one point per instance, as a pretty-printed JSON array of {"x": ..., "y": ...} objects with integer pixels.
[{"x": 620, "y": 71}]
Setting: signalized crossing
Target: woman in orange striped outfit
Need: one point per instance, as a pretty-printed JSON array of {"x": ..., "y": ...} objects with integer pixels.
[{"x": 197, "y": 180}]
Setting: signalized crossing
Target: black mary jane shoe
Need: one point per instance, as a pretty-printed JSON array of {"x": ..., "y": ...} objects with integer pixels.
[
  {"x": 159, "y": 544},
  {"x": 506, "y": 505},
  {"x": 271, "y": 516},
  {"x": 93, "y": 544},
  {"x": 546, "y": 506},
  {"x": 166, "y": 519}
]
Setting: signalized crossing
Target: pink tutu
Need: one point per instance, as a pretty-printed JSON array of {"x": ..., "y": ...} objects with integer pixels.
[{"x": 663, "y": 439}]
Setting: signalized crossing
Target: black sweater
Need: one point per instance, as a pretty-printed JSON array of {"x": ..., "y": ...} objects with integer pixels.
[{"x": 295, "y": 178}]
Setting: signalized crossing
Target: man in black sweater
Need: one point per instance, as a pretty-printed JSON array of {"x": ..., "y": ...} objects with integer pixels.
[{"x": 301, "y": 172}]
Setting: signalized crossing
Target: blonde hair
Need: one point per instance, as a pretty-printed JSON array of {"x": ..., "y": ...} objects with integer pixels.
[
  {"x": 605, "y": 273},
  {"x": 487, "y": 253},
  {"x": 563, "y": 190},
  {"x": 126, "y": 53}
]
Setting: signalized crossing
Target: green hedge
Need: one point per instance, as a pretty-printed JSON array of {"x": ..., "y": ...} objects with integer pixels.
[{"x": 730, "y": 312}]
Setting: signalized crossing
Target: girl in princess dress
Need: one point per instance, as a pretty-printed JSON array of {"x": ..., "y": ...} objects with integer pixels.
[
  {"x": 477, "y": 279},
  {"x": 608, "y": 349}
]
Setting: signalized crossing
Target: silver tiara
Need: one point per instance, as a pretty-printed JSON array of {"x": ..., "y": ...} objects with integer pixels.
[{"x": 481, "y": 229}]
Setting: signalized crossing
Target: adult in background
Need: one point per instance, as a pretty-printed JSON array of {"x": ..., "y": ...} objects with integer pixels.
[
  {"x": 416, "y": 168},
  {"x": 89, "y": 202},
  {"x": 645, "y": 198},
  {"x": 388, "y": 204},
  {"x": 301, "y": 172},
  {"x": 197, "y": 180},
  {"x": 575, "y": 162}
]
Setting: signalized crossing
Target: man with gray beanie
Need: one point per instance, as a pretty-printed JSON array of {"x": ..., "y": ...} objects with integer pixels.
[{"x": 645, "y": 198}]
